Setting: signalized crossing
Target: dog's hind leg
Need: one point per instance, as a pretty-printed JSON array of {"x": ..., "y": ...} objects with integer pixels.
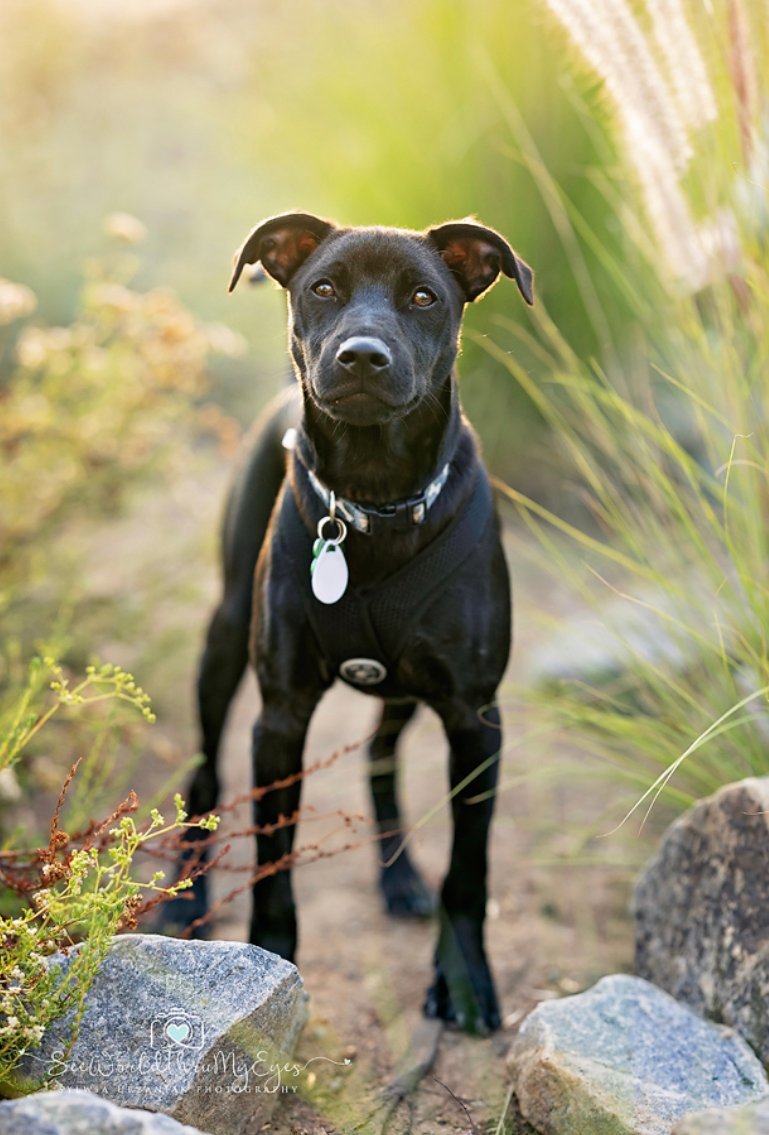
[
  {"x": 225, "y": 655},
  {"x": 246, "y": 521},
  {"x": 405, "y": 893},
  {"x": 221, "y": 668}
]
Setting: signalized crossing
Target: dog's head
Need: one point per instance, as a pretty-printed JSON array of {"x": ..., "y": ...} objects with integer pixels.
[{"x": 375, "y": 313}]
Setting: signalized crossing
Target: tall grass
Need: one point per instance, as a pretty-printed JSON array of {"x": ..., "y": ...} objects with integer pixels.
[{"x": 668, "y": 434}]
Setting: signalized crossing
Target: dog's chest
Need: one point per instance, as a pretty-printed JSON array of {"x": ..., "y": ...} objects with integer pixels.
[{"x": 364, "y": 636}]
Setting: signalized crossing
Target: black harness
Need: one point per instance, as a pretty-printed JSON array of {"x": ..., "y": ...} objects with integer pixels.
[{"x": 362, "y": 636}]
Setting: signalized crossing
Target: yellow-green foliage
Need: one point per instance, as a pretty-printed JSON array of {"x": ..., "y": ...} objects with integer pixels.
[{"x": 80, "y": 888}]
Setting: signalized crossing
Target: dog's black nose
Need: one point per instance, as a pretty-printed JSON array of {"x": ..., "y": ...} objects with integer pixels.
[{"x": 363, "y": 355}]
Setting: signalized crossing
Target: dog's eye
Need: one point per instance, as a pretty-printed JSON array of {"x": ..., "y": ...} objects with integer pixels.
[
  {"x": 423, "y": 297},
  {"x": 325, "y": 289}
]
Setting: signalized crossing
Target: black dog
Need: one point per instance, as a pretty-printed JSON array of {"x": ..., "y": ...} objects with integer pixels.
[{"x": 378, "y": 560}]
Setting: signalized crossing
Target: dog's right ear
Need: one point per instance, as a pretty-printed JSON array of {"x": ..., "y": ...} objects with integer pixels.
[{"x": 281, "y": 244}]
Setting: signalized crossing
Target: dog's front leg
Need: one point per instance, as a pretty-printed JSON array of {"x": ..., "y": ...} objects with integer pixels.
[
  {"x": 463, "y": 989},
  {"x": 291, "y": 683},
  {"x": 278, "y": 744}
]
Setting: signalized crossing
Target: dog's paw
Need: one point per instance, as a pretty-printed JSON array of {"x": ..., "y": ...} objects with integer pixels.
[
  {"x": 473, "y": 1011},
  {"x": 462, "y": 993},
  {"x": 406, "y": 895}
]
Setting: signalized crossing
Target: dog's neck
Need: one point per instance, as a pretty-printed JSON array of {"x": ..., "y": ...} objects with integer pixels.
[{"x": 384, "y": 463}]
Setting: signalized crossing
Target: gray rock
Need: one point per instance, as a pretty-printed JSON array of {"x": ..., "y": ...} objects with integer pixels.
[
  {"x": 702, "y": 910},
  {"x": 753, "y": 1119},
  {"x": 72, "y": 1112},
  {"x": 200, "y": 1030},
  {"x": 626, "y": 1059}
]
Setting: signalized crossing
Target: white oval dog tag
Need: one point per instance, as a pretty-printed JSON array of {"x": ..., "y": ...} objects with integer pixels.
[{"x": 329, "y": 574}]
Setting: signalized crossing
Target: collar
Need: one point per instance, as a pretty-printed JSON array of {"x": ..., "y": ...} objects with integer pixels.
[{"x": 366, "y": 518}]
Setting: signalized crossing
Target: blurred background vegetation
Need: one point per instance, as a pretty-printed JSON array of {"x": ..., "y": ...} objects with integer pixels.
[
  {"x": 201, "y": 119},
  {"x": 620, "y": 146}
]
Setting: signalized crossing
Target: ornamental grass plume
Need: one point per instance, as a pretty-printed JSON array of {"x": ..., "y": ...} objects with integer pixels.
[{"x": 661, "y": 94}]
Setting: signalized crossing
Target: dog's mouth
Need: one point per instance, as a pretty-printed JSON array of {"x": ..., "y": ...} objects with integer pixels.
[{"x": 362, "y": 407}]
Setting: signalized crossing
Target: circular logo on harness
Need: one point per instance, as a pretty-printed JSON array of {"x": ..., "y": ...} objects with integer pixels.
[{"x": 363, "y": 671}]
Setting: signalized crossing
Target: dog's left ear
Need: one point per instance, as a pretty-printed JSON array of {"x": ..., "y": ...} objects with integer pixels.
[
  {"x": 475, "y": 255},
  {"x": 281, "y": 244}
]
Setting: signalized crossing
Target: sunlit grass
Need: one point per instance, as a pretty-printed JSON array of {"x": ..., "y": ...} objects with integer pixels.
[{"x": 668, "y": 440}]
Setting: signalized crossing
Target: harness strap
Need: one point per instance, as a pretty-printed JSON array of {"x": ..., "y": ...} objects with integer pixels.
[{"x": 376, "y": 622}]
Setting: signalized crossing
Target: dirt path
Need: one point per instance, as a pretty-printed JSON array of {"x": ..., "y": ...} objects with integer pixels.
[{"x": 551, "y": 930}]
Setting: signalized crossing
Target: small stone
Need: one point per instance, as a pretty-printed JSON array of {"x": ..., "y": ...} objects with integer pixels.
[
  {"x": 624, "y": 1058},
  {"x": 203, "y": 1031},
  {"x": 702, "y": 910},
  {"x": 753, "y": 1119},
  {"x": 73, "y": 1112}
]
